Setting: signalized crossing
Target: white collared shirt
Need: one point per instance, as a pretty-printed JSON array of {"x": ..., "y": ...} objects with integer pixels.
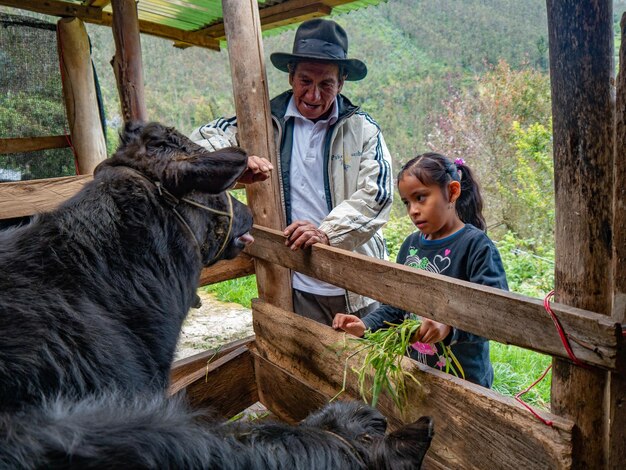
[{"x": 308, "y": 198}]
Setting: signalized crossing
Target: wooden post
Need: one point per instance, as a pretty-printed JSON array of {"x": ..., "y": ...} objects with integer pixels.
[
  {"x": 127, "y": 60},
  {"x": 256, "y": 136},
  {"x": 617, "y": 383},
  {"x": 79, "y": 92},
  {"x": 581, "y": 70}
]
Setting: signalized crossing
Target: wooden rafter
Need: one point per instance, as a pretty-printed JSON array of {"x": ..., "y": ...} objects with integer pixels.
[
  {"x": 278, "y": 15},
  {"x": 96, "y": 3},
  {"x": 57, "y": 8},
  {"x": 94, "y": 15}
]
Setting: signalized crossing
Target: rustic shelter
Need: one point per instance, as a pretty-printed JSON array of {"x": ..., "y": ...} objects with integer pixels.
[{"x": 292, "y": 365}]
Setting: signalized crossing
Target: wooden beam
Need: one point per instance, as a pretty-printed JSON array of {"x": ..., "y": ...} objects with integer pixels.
[
  {"x": 227, "y": 384},
  {"x": 474, "y": 427},
  {"x": 581, "y": 74},
  {"x": 96, "y": 3},
  {"x": 281, "y": 14},
  {"x": 192, "y": 364},
  {"x": 56, "y": 8},
  {"x": 95, "y": 15},
  {"x": 33, "y": 144},
  {"x": 617, "y": 383},
  {"x": 194, "y": 38},
  {"x": 493, "y": 313},
  {"x": 256, "y": 135},
  {"x": 242, "y": 265},
  {"x": 127, "y": 63},
  {"x": 79, "y": 92},
  {"x": 278, "y": 15},
  {"x": 24, "y": 198}
]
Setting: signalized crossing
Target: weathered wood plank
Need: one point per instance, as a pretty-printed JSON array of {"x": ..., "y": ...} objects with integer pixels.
[
  {"x": 289, "y": 398},
  {"x": 227, "y": 385},
  {"x": 24, "y": 198},
  {"x": 242, "y": 265},
  {"x": 493, "y": 313},
  {"x": 245, "y": 51},
  {"x": 191, "y": 364},
  {"x": 581, "y": 40},
  {"x": 474, "y": 427},
  {"x": 33, "y": 144}
]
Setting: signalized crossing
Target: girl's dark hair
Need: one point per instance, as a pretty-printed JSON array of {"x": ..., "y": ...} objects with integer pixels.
[{"x": 434, "y": 168}]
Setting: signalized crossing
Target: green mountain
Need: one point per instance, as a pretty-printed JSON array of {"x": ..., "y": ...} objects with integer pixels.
[{"x": 416, "y": 52}]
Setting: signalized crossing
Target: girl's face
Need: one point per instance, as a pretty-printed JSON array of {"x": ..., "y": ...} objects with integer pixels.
[{"x": 430, "y": 210}]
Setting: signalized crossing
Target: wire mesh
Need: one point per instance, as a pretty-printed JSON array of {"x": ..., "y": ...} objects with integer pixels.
[{"x": 31, "y": 98}]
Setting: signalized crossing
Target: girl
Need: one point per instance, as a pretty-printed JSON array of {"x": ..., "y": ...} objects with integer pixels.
[{"x": 443, "y": 200}]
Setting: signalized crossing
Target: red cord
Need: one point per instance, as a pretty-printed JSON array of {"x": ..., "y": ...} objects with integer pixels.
[
  {"x": 559, "y": 328},
  {"x": 570, "y": 353},
  {"x": 527, "y": 406}
]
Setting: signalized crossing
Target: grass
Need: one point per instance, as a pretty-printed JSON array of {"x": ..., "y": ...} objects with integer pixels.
[
  {"x": 516, "y": 369},
  {"x": 241, "y": 290}
]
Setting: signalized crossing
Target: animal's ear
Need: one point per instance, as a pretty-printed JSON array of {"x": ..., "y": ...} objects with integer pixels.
[
  {"x": 132, "y": 129},
  {"x": 406, "y": 447},
  {"x": 197, "y": 169}
]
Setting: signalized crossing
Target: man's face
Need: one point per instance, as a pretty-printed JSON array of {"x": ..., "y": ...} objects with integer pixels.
[{"x": 315, "y": 86}]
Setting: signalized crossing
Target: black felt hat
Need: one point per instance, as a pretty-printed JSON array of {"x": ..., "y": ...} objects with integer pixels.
[{"x": 321, "y": 40}]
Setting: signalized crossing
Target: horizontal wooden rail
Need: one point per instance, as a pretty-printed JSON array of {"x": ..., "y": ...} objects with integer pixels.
[
  {"x": 23, "y": 198},
  {"x": 33, "y": 144},
  {"x": 502, "y": 316},
  {"x": 190, "y": 365},
  {"x": 474, "y": 427},
  {"x": 242, "y": 265}
]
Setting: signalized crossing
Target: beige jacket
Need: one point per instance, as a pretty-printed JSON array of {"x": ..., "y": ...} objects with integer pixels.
[{"x": 358, "y": 181}]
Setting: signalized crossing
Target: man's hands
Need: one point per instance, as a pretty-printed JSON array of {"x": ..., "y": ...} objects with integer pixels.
[
  {"x": 349, "y": 323},
  {"x": 303, "y": 234},
  {"x": 431, "y": 332},
  {"x": 258, "y": 170}
]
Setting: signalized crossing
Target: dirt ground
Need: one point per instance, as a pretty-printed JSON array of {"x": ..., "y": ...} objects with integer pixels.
[{"x": 213, "y": 324}]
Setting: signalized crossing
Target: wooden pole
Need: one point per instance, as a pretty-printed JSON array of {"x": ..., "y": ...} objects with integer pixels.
[
  {"x": 127, "y": 60},
  {"x": 617, "y": 383},
  {"x": 245, "y": 49},
  {"x": 581, "y": 71},
  {"x": 79, "y": 91}
]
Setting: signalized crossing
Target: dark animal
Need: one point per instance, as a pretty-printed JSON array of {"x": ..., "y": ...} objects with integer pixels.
[{"x": 93, "y": 296}]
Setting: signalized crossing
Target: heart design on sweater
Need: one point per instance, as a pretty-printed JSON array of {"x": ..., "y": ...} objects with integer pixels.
[{"x": 441, "y": 263}]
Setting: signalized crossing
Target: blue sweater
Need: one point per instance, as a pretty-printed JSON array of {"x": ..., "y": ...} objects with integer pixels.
[{"x": 468, "y": 255}]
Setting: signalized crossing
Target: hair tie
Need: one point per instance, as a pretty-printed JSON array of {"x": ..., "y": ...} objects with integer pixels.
[{"x": 459, "y": 162}]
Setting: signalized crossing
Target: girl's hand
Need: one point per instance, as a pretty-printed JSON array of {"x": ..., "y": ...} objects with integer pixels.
[
  {"x": 349, "y": 323},
  {"x": 431, "y": 332}
]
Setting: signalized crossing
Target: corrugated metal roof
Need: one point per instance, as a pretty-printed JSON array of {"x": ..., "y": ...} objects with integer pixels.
[{"x": 193, "y": 15}]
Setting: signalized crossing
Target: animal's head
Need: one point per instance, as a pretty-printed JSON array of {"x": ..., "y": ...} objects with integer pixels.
[
  {"x": 192, "y": 181},
  {"x": 364, "y": 428}
]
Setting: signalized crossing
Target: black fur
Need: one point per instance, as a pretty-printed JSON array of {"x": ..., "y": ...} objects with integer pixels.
[{"x": 93, "y": 296}]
